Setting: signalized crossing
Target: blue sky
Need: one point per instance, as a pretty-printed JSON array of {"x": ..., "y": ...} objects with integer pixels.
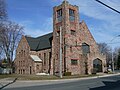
[{"x": 36, "y": 17}]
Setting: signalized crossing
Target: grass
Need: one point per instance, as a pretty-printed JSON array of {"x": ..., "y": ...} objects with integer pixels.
[{"x": 36, "y": 77}]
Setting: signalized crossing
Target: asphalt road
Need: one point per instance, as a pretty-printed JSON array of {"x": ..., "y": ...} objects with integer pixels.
[{"x": 104, "y": 83}]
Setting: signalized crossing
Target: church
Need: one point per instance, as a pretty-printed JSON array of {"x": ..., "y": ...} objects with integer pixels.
[{"x": 71, "y": 42}]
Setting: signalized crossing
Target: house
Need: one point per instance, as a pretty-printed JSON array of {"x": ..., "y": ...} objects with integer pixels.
[{"x": 80, "y": 53}]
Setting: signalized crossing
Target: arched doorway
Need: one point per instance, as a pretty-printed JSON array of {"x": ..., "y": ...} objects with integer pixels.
[{"x": 97, "y": 64}]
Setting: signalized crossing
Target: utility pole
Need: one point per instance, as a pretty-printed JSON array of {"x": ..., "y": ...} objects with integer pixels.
[
  {"x": 60, "y": 68},
  {"x": 112, "y": 60}
]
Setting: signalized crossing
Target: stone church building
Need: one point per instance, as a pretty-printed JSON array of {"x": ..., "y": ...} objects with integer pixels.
[{"x": 80, "y": 53}]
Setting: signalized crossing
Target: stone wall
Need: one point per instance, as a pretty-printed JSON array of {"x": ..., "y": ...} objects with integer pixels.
[
  {"x": 72, "y": 44},
  {"x": 24, "y": 63}
]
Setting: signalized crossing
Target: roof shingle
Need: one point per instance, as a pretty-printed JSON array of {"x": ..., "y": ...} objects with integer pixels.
[{"x": 40, "y": 43}]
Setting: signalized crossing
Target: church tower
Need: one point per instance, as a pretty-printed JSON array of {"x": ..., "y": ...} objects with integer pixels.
[{"x": 66, "y": 18}]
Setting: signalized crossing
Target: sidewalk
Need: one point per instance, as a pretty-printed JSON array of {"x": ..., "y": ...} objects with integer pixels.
[{"x": 13, "y": 82}]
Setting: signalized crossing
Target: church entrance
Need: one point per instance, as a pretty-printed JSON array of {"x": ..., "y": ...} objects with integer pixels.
[{"x": 97, "y": 64}]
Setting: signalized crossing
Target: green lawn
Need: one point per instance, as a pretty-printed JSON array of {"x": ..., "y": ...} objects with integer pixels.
[{"x": 37, "y": 77}]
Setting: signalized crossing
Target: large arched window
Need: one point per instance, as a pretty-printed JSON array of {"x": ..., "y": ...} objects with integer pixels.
[{"x": 85, "y": 48}]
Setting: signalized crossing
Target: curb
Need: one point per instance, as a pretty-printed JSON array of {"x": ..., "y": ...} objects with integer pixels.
[
  {"x": 110, "y": 75},
  {"x": 72, "y": 79}
]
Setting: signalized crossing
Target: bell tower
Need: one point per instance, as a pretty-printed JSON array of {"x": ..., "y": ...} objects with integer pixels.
[{"x": 66, "y": 18}]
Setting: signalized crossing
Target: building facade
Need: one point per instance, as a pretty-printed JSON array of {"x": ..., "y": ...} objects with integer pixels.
[{"x": 80, "y": 53}]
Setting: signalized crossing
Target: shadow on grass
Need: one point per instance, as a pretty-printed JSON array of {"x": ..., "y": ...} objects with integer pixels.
[
  {"x": 3, "y": 86},
  {"x": 108, "y": 86}
]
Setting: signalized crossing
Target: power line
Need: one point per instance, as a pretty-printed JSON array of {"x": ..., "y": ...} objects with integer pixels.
[
  {"x": 108, "y": 6},
  {"x": 113, "y": 43}
]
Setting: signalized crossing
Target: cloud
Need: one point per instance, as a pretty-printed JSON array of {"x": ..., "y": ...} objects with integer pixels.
[
  {"x": 93, "y": 9},
  {"x": 48, "y": 24},
  {"x": 108, "y": 24},
  {"x": 104, "y": 24},
  {"x": 26, "y": 23},
  {"x": 34, "y": 33},
  {"x": 45, "y": 27}
]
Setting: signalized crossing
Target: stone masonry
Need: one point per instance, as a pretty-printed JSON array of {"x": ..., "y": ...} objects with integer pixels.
[{"x": 80, "y": 53}]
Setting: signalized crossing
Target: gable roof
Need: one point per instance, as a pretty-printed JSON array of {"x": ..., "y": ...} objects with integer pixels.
[{"x": 40, "y": 43}]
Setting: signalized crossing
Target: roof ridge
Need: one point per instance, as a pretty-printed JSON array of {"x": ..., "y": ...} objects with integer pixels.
[
  {"x": 38, "y": 36},
  {"x": 44, "y": 35}
]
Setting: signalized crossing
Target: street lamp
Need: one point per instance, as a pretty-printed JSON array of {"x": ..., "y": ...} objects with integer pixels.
[{"x": 112, "y": 53}]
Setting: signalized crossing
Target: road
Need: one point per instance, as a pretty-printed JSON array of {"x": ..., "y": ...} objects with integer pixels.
[{"x": 100, "y": 83}]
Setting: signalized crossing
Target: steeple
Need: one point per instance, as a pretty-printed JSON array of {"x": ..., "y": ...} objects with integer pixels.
[{"x": 65, "y": 1}]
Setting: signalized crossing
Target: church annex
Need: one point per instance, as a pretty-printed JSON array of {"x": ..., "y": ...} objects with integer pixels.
[{"x": 80, "y": 53}]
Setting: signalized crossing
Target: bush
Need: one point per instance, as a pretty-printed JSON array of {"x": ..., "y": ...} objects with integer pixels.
[{"x": 67, "y": 74}]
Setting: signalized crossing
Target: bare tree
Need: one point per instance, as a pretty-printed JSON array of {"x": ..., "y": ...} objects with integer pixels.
[
  {"x": 117, "y": 57},
  {"x": 10, "y": 34},
  {"x": 3, "y": 17},
  {"x": 3, "y": 12},
  {"x": 118, "y": 60},
  {"x": 0, "y": 50},
  {"x": 105, "y": 49}
]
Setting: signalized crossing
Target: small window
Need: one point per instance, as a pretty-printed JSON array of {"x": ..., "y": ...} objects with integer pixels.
[
  {"x": 24, "y": 53},
  {"x": 19, "y": 63},
  {"x": 44, "y": 58},
  {"x": 58, "y": 33},
  {"x": 70, "y": 48},
  {"x": 72, "y": 18},
  {"x": 23, "y": 71},
  {"x": 19, "y": 71},
  {"x": 39, "y": 55},
  {"x": 73, "y": 32},
  {"x": 71, "y": 12},
  {"x": 37, "y": 67},
  {"x": 74, "y": 62}
]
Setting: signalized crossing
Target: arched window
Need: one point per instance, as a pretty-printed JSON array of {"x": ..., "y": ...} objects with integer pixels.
[
  {"x": 23, "y": 71},
  {"x": 19, "y": 71},
  {"x": 85, "y": 48},
  {"x": 39, "y": 55},
  {"x": 24, "y": 52},
  {"x": 21, "y": 52}
]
